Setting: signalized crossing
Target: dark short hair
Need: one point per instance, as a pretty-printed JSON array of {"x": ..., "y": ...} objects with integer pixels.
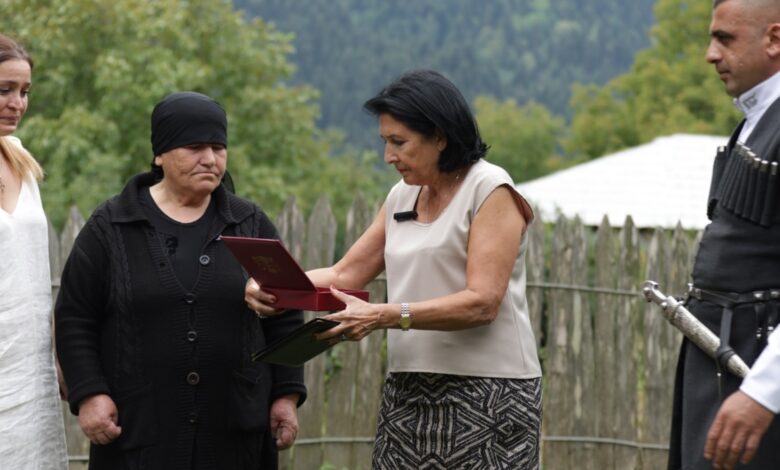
[{"x": 427, "y": 102}]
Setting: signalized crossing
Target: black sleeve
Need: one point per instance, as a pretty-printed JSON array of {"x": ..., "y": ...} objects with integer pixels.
[
  {"x": 78, "y": 313},
  {"x": 286, "y": 380}
]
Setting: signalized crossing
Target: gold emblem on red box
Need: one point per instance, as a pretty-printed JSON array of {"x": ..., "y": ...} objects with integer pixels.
[{"x": 266, "y": 264}]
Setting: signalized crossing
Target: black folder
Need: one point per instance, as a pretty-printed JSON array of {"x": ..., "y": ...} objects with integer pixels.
[{"x": 297, "y": 347}]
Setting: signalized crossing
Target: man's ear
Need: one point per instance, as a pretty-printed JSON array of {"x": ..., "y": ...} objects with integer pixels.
[
  {"x": 158, "y": 160},
  {"x": 773, "y": 40}
]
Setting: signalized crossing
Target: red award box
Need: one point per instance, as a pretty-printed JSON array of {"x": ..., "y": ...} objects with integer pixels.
[{"x": 270, "y": 264}]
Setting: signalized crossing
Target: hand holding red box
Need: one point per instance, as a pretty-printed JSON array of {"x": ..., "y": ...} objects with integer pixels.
[{"x": 270, "y": 264}]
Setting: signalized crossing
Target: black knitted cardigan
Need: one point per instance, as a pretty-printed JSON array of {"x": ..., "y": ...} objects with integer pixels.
[{"x": 175, "y": 361}]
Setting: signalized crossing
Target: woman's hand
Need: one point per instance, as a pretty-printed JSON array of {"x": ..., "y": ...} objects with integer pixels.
[
  {"x": 99, "y": 418},
  {"x": 260, "y": 301},
  {"x": 284, "y": 420},
  {"x": 357, "y": 320}
]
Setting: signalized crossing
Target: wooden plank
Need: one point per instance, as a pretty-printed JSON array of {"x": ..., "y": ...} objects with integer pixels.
[
  {"x": 346, "y": 364},
  {"x": 76, "y": 463},
  {"x": 320, "y": 236},
  {"x": 606, "y": 275},
  {"x": 77, "y": 442},
  {"x": 319, "y": 249},
  {"x": 368, "y": 384},
  {"x": 581, "y": 362},
  {"x": 344, "y": 359},
  {"x": 311, "y": 417},
  {"x": 534, "y": 266},
  {"x": 655, "y": 404},
  {"x": 73, "y": 225},
  {"x": 340, "y": 389},
  {"x": 55, "y": 262},
  {"x": 535, "y": 293},
  {"x": 681, "y": 261},
  {"x": 370, "y": 369},
  {"x": 627, "y": 336},
  {"x": 292, "y": 229},
  {"x": 359, "y": 217},
  {"x": 558, "y": 405}
]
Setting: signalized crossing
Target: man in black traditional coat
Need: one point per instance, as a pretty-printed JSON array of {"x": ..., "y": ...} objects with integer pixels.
[{"x": 736, "y": 276}]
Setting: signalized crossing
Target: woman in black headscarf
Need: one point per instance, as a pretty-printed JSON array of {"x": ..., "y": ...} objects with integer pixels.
[{"x": 153, "y": 333}]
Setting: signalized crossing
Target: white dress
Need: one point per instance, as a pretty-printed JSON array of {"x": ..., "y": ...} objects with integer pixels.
[{"x": 31, "y": 425}]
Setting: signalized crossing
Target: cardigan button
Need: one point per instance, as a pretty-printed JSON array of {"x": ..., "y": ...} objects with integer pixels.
[
  {"x": 192, "y": 335},
  {"x": 190, "y": 298},
  {"x": 192, "y": 417},
  {"x": 193, "y": 378},
  {"x": 204, "y": 260}
]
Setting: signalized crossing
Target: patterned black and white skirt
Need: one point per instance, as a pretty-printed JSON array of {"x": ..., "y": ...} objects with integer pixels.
[{"x": 450, "y": 422}]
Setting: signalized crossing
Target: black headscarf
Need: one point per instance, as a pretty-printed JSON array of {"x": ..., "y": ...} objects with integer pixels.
[{"x": 186, "y": 118}]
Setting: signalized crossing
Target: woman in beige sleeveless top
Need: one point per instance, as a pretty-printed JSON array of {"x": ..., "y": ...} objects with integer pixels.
[{"x": 464, "y": 382}]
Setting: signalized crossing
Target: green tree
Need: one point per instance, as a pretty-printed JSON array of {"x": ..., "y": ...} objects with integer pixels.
[
  {"x": 101, "y": 65},
  {"x": 670, "y": 88},
  {"x": 523, "y": 139}
]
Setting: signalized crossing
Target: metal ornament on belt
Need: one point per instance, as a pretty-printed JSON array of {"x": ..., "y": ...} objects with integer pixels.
[{"x": 691, "y": 327}]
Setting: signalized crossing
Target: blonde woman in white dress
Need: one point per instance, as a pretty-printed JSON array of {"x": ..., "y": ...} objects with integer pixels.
[{"x": 31, "y": 425}]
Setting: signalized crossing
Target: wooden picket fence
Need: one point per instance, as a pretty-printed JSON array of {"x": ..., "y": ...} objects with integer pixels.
[{"x": 608, "y": 356}]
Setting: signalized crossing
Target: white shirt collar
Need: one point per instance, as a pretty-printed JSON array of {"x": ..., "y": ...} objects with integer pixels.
[{"x": 754, "y": 102}]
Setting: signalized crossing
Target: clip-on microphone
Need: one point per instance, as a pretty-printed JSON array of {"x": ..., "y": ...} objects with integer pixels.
[{"x": 408, "y": 215}]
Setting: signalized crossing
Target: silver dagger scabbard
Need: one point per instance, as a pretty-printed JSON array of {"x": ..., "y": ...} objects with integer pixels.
[{"x": 691, "y": 327}]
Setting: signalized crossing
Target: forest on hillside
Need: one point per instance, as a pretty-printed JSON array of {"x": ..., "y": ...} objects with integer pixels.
[{"x": 526, "y": 50}]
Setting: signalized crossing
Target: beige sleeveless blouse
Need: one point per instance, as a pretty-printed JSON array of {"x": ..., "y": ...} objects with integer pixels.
[{"x": 428, "y": 260}]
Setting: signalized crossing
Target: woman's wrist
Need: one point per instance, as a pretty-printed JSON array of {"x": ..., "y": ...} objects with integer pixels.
[
  {"x": 388, "y": 316},
  {"x": 384, "y": 316}
]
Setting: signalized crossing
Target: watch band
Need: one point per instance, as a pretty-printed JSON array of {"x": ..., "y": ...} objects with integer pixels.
[{"x": 406, "y": 317}]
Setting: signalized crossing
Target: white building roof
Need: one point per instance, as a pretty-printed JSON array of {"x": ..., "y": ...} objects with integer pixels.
[{"x": 658, "y": 184}]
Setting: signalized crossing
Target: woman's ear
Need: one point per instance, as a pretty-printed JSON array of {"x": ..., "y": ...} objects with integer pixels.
[
  {"x": 158, "y": 160},
  {"x": 441, "y": 140}
]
